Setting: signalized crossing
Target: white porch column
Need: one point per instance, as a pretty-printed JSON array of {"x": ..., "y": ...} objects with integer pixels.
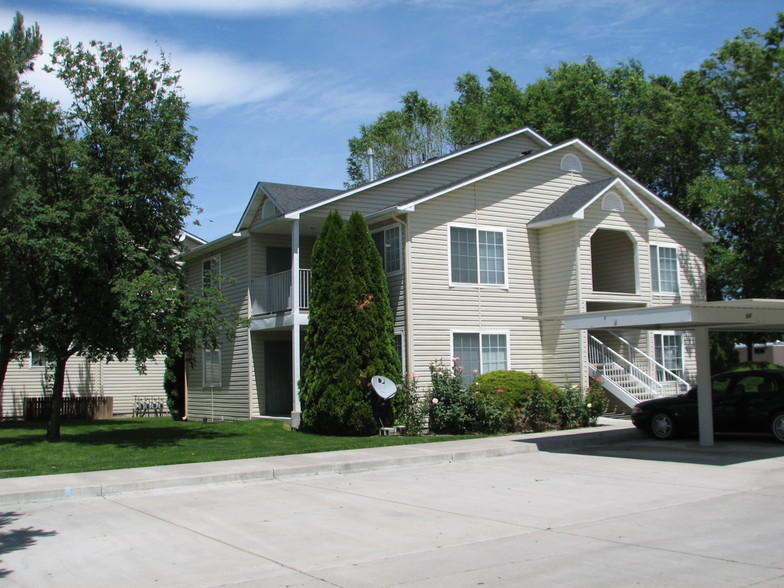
[
  {"x": 296, "y": 411},
  {"x": 704, "y": 389}
]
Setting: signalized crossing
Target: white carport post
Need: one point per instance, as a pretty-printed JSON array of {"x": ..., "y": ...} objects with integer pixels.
[
  {"x": 704, "y": 388},
  {"x": 296, "y": 410}
]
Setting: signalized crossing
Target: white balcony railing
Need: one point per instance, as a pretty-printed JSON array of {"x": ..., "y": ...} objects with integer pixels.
[{"x": 272, "y": 293}]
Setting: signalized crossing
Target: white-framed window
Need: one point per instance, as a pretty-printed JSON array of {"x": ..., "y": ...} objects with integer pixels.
[
  {"x": 477, "y": 255},
  {"x": 664, "y": 269},
  {"x": 212, "y": 369},
  {"x": 389, "y": 243},
  {"x": 571, "y": 163},
  {"x": 38, "y": 358},
  {"x": 480, "y": 352},
  {"x": 668, "y": 351},
  {"x": 210, "y": 272}
]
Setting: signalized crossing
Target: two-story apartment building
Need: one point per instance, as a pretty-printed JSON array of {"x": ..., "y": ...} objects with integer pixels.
[{"x": 485, "y": 249}]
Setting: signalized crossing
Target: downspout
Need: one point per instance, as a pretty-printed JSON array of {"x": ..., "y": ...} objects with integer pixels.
[
  {"x": 582, "y": 334},
  {"x": 409, "y": 318},
  {"x": 249, "y": 313}
]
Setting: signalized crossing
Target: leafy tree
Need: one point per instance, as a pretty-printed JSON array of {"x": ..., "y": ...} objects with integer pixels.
[
  {"x": 334, "y": 402},
  {"x": 400, "y": 139},
  {"x": 18, "y": 49},
  {"x": 375, "y": 323}
]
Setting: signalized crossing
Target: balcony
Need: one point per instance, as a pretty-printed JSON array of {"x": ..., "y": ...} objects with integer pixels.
[{"x": 272, "y": 293}]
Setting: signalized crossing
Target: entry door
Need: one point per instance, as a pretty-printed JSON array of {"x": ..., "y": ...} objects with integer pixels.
[{"x": 277, "y": 378}]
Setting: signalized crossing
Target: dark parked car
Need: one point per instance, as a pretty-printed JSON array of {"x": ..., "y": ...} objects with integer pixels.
[{"x": 743, "y": 402}]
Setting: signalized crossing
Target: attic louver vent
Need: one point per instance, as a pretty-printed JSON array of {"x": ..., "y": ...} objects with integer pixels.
[
  {"x": 268, "y": 210},
  {"x": 571, "y": 163},
  {"x": 612, "y": 201}
]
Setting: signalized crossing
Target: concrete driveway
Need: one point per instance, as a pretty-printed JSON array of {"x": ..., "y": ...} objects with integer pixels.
[{"x": 582, "y": 509}]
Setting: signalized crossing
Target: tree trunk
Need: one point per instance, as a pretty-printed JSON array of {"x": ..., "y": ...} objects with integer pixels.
[
  {"x": 53, "y": 429},
  {"x": 6, "y": 339}
]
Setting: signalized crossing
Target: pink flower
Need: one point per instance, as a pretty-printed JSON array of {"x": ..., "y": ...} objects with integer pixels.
[
  {"x": 415, "y": 376},
  {"x": 455, "y": 359},
  {"x": 435, "y": 400},
  {"x": 475, "y": 371},
  {"x": 500, "y": 390},
  {"x": 460, "y": 367}
]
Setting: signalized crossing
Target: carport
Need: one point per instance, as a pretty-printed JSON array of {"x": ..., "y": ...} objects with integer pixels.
[{"x": 730, "y": 315}]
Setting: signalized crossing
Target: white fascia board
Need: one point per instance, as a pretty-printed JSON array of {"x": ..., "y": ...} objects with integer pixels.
[
  {"x": 704, "y": 235},
  {"x": 653, "y": 220},
  {"x": 426, "y": 165},
  {"x": 252, "y": 207},
  {"x": 213, "y": 245}
]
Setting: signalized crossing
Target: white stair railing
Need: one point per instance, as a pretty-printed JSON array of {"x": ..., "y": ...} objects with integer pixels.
[{"x": 626, "y": 379}]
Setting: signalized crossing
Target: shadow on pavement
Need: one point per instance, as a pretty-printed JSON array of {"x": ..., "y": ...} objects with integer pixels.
[{"x": 16, "y": 539}]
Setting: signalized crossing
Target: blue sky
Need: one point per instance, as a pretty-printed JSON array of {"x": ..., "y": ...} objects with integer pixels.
[{"x": 277, "y": 87}]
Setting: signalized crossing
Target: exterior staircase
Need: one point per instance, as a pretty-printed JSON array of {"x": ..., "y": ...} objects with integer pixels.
[{"x": 630, "y": 375}]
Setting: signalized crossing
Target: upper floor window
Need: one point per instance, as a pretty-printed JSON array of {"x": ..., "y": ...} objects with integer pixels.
[
  {"x": 38, "y": 358},
  {"x": 210, "y": 270},
  {"x": 664, "y": 269},
  {"x": 477, "y": 256},
  {"x": 390, "y": 246}
]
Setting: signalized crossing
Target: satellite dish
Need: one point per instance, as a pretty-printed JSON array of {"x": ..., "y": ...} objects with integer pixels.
[{"x": 384, "y": 387}]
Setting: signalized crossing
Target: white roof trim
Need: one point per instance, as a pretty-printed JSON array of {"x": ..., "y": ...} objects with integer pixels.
[
  {"x": 536, "y": 136},
  {"x": 617, "y": 184},
  {"x": 706, "y": 237}
]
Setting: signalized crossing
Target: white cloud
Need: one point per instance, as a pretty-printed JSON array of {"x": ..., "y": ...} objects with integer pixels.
[
  {"x": 214, "y": 80},
  {"x": 234, "y": 7}
]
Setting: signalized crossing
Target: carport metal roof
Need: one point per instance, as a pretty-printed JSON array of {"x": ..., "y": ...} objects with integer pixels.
[{"x": 753, "y": 314}]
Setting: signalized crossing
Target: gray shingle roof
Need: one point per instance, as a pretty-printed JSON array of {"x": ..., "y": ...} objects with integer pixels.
[
  {"x": 572, "y": 201},
  {"x": 288, "y": 197}
]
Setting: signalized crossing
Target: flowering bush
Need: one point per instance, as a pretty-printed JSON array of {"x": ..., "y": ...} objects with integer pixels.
[{"x": 453, "y": 407}]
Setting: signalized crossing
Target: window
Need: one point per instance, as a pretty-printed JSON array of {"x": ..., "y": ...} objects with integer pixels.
[
  {"x": 212, "y": 368},
  {"x": 664, "y": 269},
  {"x": 389, "y": 245},
  {"x": 669, "y": 353},
  {"x": 480, "y": 353},
  {"x": 400, "y": 350},
  {"x": 210, "y": 270},
  {"x": 38, "y": 358},
  {"x": 477, "y": 256}
]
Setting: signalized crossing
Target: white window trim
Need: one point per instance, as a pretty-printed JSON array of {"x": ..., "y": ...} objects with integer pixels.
[
  {"x": 677, "y": 269},
  {"x": 477, "y": 228},
  {"x": 480, "y": 332},
  {"x": 33, "y": 366},
  {"x": 400, "y": 251},
  {"x": 217, "y": 259},
  {"x": 681, "y": 351}
]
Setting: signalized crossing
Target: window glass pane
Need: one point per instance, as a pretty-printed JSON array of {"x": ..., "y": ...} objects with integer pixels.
[
  {"x": 466, "y": 347},
  {"x": 664, "y": 269},
  {"x": 464, "y": 262},
  {"x": 669, "y": 353},
  {"x": 392, "y": 249},
  {"x": 493, "y": 353},
  {"x": 491, "y": 257},
  {"x": 212, "y": 368}
]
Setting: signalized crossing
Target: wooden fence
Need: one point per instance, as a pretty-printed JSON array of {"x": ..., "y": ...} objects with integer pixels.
[{"x": 73, "y": 407}]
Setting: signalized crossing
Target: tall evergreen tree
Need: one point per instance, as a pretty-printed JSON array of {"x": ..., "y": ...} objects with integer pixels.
[
  {"x": 334, "y": 402},
  {"x": 375, "y": 324}
]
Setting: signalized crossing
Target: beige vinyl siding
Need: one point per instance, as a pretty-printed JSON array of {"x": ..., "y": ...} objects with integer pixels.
[
  {"x": 232, "y": 400},
  {"x": 118, "y": 379},
  {"x": 506, "y": 202}
]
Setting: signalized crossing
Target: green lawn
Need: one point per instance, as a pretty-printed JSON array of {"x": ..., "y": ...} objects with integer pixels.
[{"x": 129, "y": 443}]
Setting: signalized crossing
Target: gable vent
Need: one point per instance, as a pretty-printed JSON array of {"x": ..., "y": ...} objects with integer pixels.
[
  {"x": 571, "y": 163},
  {"x": 612, "y": 201},
  {"x": 268, "y": 210}
]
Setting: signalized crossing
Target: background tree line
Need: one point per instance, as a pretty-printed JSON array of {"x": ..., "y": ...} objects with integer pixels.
[
  {"x": 93, "y": 197},
  {"x": 711, "y": 144}
]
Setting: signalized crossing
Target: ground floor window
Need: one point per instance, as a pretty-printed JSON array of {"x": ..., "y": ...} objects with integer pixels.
[
  {"x": 669, "y": 353},
  {"x": 480, "y": 353}
]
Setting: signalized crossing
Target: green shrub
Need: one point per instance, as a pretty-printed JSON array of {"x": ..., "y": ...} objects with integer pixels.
[
  {"x": 410, "y": 408},
  {"x": 518, "y": 386},
  {"x": 596, "y": 404},
  {"x": 453, "y": 407},
  {"x": 495, "y": 412},
  {"x": 538, "y": 413}
]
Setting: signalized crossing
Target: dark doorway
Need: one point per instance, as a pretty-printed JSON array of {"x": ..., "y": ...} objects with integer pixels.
[{"x": 277, "y": 378}]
